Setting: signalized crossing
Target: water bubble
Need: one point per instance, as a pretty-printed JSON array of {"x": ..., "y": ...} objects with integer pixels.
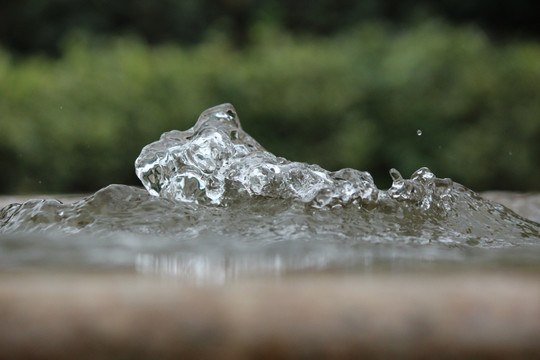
[{"x": 419, "y": 132}]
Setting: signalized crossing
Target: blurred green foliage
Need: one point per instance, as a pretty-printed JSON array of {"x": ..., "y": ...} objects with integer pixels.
[
  {"x": 33, "y": 26},
  {"x": 357, "y": 99}
]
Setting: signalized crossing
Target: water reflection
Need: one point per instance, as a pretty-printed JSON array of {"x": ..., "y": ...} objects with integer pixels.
[{"x": 219, "y": 269}]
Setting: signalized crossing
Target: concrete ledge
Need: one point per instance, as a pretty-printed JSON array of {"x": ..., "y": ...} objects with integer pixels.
[{"x": 415, "y": 316}]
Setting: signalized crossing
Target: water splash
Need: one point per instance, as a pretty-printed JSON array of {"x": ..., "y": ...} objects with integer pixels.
[
  {"x": 216, "y": 162},
  {"x": 217, "y": 200}
]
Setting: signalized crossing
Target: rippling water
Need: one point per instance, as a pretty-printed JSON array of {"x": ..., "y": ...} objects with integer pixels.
[{"x": 217, "y": 205}]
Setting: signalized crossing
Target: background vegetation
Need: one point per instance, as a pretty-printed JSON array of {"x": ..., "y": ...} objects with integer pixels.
[{"x": 84, "y": 85}]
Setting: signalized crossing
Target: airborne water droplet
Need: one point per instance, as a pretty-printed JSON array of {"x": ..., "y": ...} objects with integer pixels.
[{"x": 419, "y": 132}]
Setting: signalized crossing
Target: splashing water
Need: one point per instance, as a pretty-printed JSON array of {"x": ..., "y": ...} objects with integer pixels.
[
  {"x": 218, "y": 205},
  {"x": 216, "y": 162}
]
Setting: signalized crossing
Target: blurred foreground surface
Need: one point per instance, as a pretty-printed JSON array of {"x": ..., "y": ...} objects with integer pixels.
[
  {"x": 412, "y": 316},
  {"x": 444, "y": 313}
]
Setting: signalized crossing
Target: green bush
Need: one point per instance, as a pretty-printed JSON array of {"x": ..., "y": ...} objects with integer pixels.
[{"x": 355, "y": 100}]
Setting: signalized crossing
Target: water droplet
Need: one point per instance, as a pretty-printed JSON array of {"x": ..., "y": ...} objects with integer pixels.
[
  {"x": 510, "y": 153},
  {"x": 419, "y": 132},
  {"x": 61, "y": 107}
]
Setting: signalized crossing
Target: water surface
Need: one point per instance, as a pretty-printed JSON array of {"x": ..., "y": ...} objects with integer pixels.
[{"x": 216, "y": 205}]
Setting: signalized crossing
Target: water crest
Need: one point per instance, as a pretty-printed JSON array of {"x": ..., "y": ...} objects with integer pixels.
[{"x": 217, "y": 203}]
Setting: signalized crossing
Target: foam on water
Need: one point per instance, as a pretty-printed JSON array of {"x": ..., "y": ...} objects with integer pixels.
[{"x": 218, "y": 204}]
